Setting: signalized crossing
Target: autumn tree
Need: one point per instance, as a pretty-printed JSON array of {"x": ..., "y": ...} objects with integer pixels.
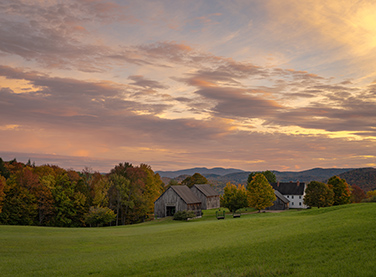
[
  {"x": 99, "y": 216},
  {"x": 357, "y": 194},
  {"x": 260, "y": 193},
  {"x": 196, "y": 178},
  {"x": 270, "y": 176},
  {"x": 234, "y": 197},
  {"x": 20, "y": 206},
  {"x": 340, "y": 189},
  {"x": 318, "y": 194},
  {"x": 3, "y": 169},
  {"x": 153, "y": 187},
  {"x": 2, "y": 194},
  {"x": 119, "y": 193}
]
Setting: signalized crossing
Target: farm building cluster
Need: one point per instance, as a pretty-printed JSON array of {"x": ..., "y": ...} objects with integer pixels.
[
  {"x": 180, "y": 198},
  {"x": 203, "y": 197}
]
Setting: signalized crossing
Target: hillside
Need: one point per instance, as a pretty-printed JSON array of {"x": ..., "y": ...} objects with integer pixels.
[
  {"x": 202, "y": 170},
  {"x": 219, "y": 179},
  {"x": 334, "y": 241},
  {"x": 365, "y": 178}
]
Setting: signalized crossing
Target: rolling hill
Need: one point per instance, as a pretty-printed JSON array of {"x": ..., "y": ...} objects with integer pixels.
[
  {"x": 333, "y": 241},
  {"x": 365, "y": 178}
]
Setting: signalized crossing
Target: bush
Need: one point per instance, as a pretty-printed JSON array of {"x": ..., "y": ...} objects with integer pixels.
[
  {"x": 98, "y": 216},
  {"x": 370, "y": 199},
  {"x": 184, "y": 215}
]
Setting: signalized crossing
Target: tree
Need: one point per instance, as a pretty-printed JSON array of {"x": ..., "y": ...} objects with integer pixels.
[
  {"x": 340, "y": 189},
  {"x": 2, "y": 193},
  {"x": 234, "y": 197},
  {"x": 318, "y": 194},
  {"x": 3, "y": 169},
  {"x": 260, "y": 193},
  {"x": 357, "y": 194},
  {"x": 120, "y": 196},
  {"x": 196, "y": 178},
  {"x": 99, "y": 216},
  {"x": 270, "y": 176}
]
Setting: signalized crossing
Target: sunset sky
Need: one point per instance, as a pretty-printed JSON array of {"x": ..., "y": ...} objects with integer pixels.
[{"x": 279, "y": 85}]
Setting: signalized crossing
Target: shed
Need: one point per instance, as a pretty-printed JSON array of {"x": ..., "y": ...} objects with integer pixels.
[
  {"x": 281, "y": 203},
  {"x": 174, "y": 199},
  {"x": 208, "y": 196}
]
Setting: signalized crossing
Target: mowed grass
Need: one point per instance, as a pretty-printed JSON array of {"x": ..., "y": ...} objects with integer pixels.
[{"x": 335, "y": 241}]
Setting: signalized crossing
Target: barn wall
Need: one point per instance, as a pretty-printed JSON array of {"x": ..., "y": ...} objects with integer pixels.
[
  {"x": 213, "y": 202},
  {"x": 278, "y": 205},
  {"x": 200, "y": 196},
  {"x": 169, "y": 197}
]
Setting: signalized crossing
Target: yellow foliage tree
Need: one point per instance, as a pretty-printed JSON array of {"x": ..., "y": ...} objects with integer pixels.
[{"x": 260, "y": 193}]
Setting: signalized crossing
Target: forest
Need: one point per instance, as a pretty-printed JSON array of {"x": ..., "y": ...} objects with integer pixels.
[{"x": 48, "y": 195}]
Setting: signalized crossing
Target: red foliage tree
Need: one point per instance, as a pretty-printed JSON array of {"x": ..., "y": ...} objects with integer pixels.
[{"x": 357, "y": 194}]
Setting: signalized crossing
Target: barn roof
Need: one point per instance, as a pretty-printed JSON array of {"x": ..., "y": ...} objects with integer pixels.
[
  {"x": 207, "y": 190},
  {"x": 186, "y": 194},
  {"x": 280, "y": 196},
  {"x": 289, "y": 188}
]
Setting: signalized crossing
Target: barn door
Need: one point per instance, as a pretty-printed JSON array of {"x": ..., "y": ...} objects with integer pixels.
[{"x": 170, "y": 210}]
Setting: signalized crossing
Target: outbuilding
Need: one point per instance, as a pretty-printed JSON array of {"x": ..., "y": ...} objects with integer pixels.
[
  {"x": 208, "y": 196},
  {"x": 177, "y": 198},
  {"x": 281, "y": 203}
]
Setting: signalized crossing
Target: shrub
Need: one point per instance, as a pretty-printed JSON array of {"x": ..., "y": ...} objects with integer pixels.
[
  {"x": 370, "y": 199},
  {"x": 184, "y": 215},
  {"x": 98, "y": 216}
]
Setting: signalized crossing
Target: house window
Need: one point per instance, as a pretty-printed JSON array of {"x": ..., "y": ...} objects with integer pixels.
[
  {"x": 300, "y": 197},
  {"x": 292, "y": 197},
  {"x": 300, "y": 203},
  {"x": 292, "y": 203},
  {"x": 287, "y": 196}
]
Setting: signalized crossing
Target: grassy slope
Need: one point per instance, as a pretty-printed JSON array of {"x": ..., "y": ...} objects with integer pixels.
[{"x": 335, "y": 241}]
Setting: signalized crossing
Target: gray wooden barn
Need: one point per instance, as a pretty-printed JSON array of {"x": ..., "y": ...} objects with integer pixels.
[
  {"x": 281, "y": 203},
  {"x": 177, "y": 198},
  {"x": 208, "y": 196}
]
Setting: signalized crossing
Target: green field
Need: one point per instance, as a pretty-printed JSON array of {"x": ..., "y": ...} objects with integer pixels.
[{"x": 334, "y": 241}]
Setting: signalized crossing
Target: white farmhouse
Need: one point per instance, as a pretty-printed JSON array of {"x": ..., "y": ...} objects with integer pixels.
[{"x": 293, "y": 191}]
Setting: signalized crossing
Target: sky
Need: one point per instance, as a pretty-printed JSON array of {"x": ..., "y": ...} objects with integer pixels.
[{"x": 255, "y": 85}]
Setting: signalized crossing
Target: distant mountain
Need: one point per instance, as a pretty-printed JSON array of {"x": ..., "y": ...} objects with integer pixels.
[
  {"x": 202, "y": 170},
  {"x": 365, "y": 178},
  {"x": 315, "y": 174},
  {"x": 220, "y": 176}
]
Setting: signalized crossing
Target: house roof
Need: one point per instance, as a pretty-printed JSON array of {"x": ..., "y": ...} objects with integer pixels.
[
  {"x": 207, "y": 190},
  {"x": 280, "y": 196},
  {"x": 289, "y": 188},
  {"x": 186, "y": 194}
]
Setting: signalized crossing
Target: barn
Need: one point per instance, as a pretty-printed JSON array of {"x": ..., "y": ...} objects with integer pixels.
[
  {"x": 281, "y": 203},
  {"x": 208, "y": 196},
  {"x": 177, "y": 198}
]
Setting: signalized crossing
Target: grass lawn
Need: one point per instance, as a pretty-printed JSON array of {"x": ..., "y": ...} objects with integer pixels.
[{"x": 335, "y": 241}]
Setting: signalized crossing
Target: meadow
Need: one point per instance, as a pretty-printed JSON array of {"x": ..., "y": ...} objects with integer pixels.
[{"x": 333, "y": 241}]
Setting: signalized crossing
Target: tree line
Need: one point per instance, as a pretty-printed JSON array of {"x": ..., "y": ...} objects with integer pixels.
[
  {"x": 259, "y": 194},
  {"x": 48, "y": 195}
]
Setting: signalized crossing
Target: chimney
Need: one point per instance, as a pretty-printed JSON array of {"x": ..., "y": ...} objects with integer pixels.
[
  {"x": 298, "y": 183},
  {"x": 278, "y": 184}
]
